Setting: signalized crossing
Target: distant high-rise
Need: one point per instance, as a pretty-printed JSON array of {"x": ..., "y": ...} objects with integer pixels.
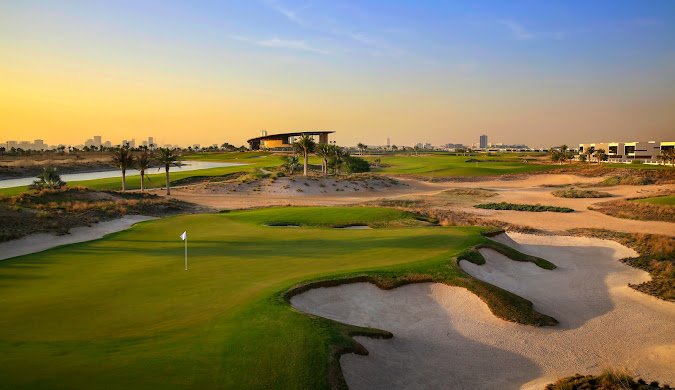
[
  {"x": 97, "y": 141},
  {"x": 388, "y": 142},
  {"x": 151, "y": 141},
  {"x": 483, "y": 141}
]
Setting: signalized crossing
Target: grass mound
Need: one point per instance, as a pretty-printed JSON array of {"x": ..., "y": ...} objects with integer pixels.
[
  {"x": 636, "y": 209},
  {"x": 630, "y": 180},
  {"x": 221, "y": 324},
  {"x": 470, "y": 192},
  {"x": 578, "y": 193},
  {"x": 607, "y": 380},
  {"x": 332, "y": 217},
  {"x": 523, "y": 207},
  {"x": 474, "y": 256}
]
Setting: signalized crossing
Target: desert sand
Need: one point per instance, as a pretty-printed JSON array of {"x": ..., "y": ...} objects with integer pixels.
[
  {"x": 42, "y": 241},
  {"x": 446, "y": 337}
]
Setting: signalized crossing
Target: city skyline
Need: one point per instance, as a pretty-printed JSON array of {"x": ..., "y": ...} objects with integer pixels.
[{"x": 210, "y": 72}]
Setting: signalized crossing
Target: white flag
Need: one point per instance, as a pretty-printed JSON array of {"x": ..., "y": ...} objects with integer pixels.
[{"x": 184, "y": 235}]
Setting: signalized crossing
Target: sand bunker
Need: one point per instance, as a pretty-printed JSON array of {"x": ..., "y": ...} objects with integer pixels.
[
  {"x": 446, "y": 337},
  {"x": 43, "y": 241}
]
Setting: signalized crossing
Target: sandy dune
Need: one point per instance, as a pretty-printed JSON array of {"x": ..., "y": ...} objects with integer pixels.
[
  {"x": 43, "y": 241},
  {"x": 527, "y": 189},
  {"x": 446, "y": 337}
]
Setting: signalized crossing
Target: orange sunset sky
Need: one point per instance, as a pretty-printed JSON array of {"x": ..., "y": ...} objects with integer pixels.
[{"x": 214, "y": 72}]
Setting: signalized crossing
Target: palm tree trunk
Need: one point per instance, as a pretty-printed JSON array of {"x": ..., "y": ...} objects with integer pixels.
[
  {"x": 306, "y": 157},
  {"x": 124, "y": 179},
  {"x": 142, "y": 180},
  {"x": 325, "y": 166},
  {"x": 168, "y": 188}
]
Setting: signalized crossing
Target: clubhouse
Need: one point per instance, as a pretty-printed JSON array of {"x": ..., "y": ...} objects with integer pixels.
[
  {"x": 626, "y": 152},
  {"x": 285, "y": 140}
]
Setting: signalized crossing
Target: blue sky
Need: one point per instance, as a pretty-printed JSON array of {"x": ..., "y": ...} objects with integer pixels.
[{"x": 438, "y": 71}]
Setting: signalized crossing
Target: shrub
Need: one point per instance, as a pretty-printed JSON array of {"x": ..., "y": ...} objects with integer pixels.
[
  {"x": 636, "y": 162},
  {"x": 577, "y": 193},
  {"x": 524, "y": 207},
  {"x": 356, "y": 165}
]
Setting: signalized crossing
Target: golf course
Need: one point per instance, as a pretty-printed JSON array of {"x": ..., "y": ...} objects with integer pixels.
[{"x": 121, "y": 312}]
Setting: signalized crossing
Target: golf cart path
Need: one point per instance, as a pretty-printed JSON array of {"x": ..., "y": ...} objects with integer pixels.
[
  {"x": 446, "y": 337},
  {"x": 42, "y": 241}
]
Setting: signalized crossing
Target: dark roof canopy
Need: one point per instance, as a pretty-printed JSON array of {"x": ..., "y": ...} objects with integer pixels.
[{"x": 285, "y": 135}]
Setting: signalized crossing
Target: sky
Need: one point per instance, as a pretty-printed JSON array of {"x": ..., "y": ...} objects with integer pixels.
[{"x": 541, "y": 73}]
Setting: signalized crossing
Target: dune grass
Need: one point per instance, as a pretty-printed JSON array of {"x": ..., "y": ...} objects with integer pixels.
[
  {"x": 523, "y": 207},
  {"x": 121, "y": 312},
  {"x": 445, "y": 165},
  {"x": 579, "y": 193}
]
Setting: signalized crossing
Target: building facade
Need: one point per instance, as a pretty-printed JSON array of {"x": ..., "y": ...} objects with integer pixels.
[
  {"x": 483, "y": 141},
  {"x": 626, "y": 152},
  {"x": 284, "y": 140}
]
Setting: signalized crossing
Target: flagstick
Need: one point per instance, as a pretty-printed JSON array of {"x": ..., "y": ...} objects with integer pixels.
[{"x": 186, "y": 253}]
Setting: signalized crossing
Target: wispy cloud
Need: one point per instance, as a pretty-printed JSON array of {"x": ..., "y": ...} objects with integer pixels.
[
  {"x": 316, "y": 23},
  {"x": 279, "y": 43},
  {"x": 518, "y": 30},
  {"x": 291, "y": 14}
]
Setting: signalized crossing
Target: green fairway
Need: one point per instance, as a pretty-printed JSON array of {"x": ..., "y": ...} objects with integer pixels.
[
  {"x": 122, "y": 313},
  {"x": 667, "y": 200},
  {"x": 444, "y": 165}
]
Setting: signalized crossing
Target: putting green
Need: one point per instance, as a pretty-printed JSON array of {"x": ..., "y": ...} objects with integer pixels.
[{"x": 122, "y": 313}]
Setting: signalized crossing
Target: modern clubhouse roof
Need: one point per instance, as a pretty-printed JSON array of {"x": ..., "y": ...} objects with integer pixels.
[{"x": 284, "y": 140}]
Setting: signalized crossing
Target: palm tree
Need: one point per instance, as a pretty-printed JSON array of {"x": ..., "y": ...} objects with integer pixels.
[
  {"x": 143, "y": 163},
  {"x": 361, "y": 147},
  {"x": 667, "y": 156},
  {"x": 339, "y": 155},
  {"x": 304, "y": 145},
  {"x": 124, "y": 160},
  {"x": 600, "y": 155},
  {"x": 324, "y": 151},
  {"x": 557, "y": 156},
  {"x": 48, "y": 178},
  {"x": 588, "y": 153},
  {"x": 168, "y": 158}
]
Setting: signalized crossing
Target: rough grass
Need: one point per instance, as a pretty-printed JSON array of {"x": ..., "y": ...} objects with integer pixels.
[
  {"x": 579, "y": 193},
  {"x": 121, "y": 312},
  {"x": 523, "y": 207},
  {"x": 634, "y": 209},
  {"x": 656, "y": 256},
  {"x": 608, "y": 380}
]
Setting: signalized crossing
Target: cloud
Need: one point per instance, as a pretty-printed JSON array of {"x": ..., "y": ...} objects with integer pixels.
[
  {"x": 517, "y": 29},
  {"x": 279, "y": 43},
  {"x": 291, "y": 14}
]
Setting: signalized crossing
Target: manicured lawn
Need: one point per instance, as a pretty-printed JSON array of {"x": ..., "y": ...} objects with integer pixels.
[
  {"x": 122, "y": 313},
  {"x": 442, "y": 165},
  {"x": 668, "y": 200}
]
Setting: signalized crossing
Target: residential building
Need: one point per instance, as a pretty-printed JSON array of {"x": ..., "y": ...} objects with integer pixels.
[
  {"x": 626, "y": 152},
  {"x": 483, "y": 141}
]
